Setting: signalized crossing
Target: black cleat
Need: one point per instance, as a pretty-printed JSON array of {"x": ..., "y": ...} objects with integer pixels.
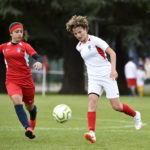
[{"x": 29, "y": 133}]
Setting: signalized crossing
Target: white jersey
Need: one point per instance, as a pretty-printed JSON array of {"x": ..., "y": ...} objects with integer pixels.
[
  {"x": 130, "y": 70},
  {"x": 141, "y": 76},
  {"x": 94, "y": 56}
]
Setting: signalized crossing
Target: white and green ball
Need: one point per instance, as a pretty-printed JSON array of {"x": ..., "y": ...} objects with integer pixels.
[{"x": 62, "y": 113}]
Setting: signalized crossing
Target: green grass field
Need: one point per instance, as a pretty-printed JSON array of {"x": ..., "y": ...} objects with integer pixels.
[{"x": 114, "y": 131}]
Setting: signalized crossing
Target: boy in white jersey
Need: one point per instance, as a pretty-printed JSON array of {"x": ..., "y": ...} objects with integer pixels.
[
  {"x": 101, "y": 73},
  {"x": 130, "y": 71}
]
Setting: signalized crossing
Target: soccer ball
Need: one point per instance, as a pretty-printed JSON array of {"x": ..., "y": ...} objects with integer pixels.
[{"x": 62, "y": 113}]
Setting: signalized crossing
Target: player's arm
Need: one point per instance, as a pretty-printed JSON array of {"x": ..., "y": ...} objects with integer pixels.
[
  {"x": 38, "y": 64},
  {"x": 112, "y": 54}
]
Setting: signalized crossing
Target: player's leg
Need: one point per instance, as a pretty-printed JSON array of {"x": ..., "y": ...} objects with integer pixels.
[
  {"x": 28, "y": 98},
  {"x": 135, "y": 91},
  {"x": 135, "y": 87},
  {"x": 94, "y": 91},
  {"x": 91, "y": 115},
  {"x": 132, "y": 84},
  {"x": 140, "y": 90},
  {"x": 33, "y": 114},
  {"x": 112, "y": 93},
  {"x": 17, "y": 100},
  {"x": 93, "y": 100},
  {"x": 130, "y": 91},
  {"x": 15, "y": 93},
  {"x": 116, "y": 105}
]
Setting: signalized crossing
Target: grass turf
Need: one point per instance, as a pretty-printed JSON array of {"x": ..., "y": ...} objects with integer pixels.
[{"x": 114, "y": 130}]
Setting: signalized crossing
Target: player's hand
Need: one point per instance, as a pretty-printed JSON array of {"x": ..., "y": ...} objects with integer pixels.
[
  {"x": 37, "y": 65},
  {"x": 114, "y": 75}
]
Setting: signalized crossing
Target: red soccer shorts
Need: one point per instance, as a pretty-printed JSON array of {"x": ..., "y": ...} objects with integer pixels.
[
  {"x": 131, "y": 82},
  {"x": 26, "y": 92}
]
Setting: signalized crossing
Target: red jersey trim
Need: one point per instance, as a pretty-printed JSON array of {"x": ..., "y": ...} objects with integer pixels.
[
  {"x": 81, "y": 42},
  {"x": 101, "y": 52}
]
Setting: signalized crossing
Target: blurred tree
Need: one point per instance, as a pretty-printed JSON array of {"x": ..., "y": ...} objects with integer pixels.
[
  {"x": 5, "y": 20},
  {"x": 125, "y": 24},
  {"x": 121, "y": 23}
]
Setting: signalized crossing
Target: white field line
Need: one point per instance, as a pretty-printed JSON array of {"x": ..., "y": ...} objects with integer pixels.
[
  {"x": 108, "y": 127},
  {"x": 127, "y": 131},
  {"x": 111, "y": 128},
  {"x": 97, "y": 119},
  {"x": 105, "y": 120},
  {"x": 77, "y": 128}
]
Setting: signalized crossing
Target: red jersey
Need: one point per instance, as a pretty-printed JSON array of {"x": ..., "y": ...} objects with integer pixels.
[{"x": 17, "y": 60}]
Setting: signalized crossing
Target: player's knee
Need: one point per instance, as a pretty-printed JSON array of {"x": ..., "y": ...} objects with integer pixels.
[
  {"x": 92, "y": 105},
  {"x": 117, "y": 107},
  {"x": 92, "y": 108},
  {"x": 16, "y": 99},
  {"x": 29, "y": 106}
]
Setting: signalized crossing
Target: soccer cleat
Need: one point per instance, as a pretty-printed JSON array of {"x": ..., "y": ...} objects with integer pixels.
[
  {"x": 90, "y": 136},
  {"x": 32, "y": 123},
  {"x": 137, "y": 121},
  {"x": 29, "y": 133}
]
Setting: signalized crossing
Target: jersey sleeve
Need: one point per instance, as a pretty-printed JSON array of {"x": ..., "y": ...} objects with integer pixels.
[
  {"x": 30, "y": 50},
  {"x": 100, "y": 43}
]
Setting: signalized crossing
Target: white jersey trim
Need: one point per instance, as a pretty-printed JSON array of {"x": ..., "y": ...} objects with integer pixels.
[{"x": 26, "y": 56}]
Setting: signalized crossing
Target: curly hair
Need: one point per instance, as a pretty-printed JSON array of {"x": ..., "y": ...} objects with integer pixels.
[{"x": 77, "y": 21}]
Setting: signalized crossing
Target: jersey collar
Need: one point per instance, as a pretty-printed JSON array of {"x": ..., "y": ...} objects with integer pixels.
[
  {"x": 10, "y": 43},
  {"x": 89, "y": 39}
]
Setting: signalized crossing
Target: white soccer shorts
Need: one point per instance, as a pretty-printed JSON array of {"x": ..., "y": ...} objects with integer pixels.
[{"x": 105, "y": 83}]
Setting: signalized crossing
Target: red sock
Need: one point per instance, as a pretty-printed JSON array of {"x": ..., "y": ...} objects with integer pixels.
[
  {"x": 91, "y": 120},
  {"x": 127, "y": 110}
]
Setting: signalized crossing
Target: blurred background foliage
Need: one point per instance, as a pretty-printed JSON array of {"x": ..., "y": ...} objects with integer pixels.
[{"x": 122, "y": 23}]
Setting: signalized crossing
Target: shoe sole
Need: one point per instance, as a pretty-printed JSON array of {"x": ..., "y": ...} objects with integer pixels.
[
  {"x": 29, "y": 134},
  {"x": 89, "y": 138}
]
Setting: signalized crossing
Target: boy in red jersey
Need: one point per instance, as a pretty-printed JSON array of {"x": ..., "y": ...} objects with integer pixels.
[
  {"x": 19, "y": 83},
  {"x": 101, "y": 73}
]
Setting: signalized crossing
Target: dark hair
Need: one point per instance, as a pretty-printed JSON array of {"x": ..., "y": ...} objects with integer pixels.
[
  {"x": 25, "y": 33},
  {"x": 13, "y": 24},
  {"x": 131, "y": 58},
  {"x": 141, "y": 66},
  {"x": 79, "y": 25}
]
